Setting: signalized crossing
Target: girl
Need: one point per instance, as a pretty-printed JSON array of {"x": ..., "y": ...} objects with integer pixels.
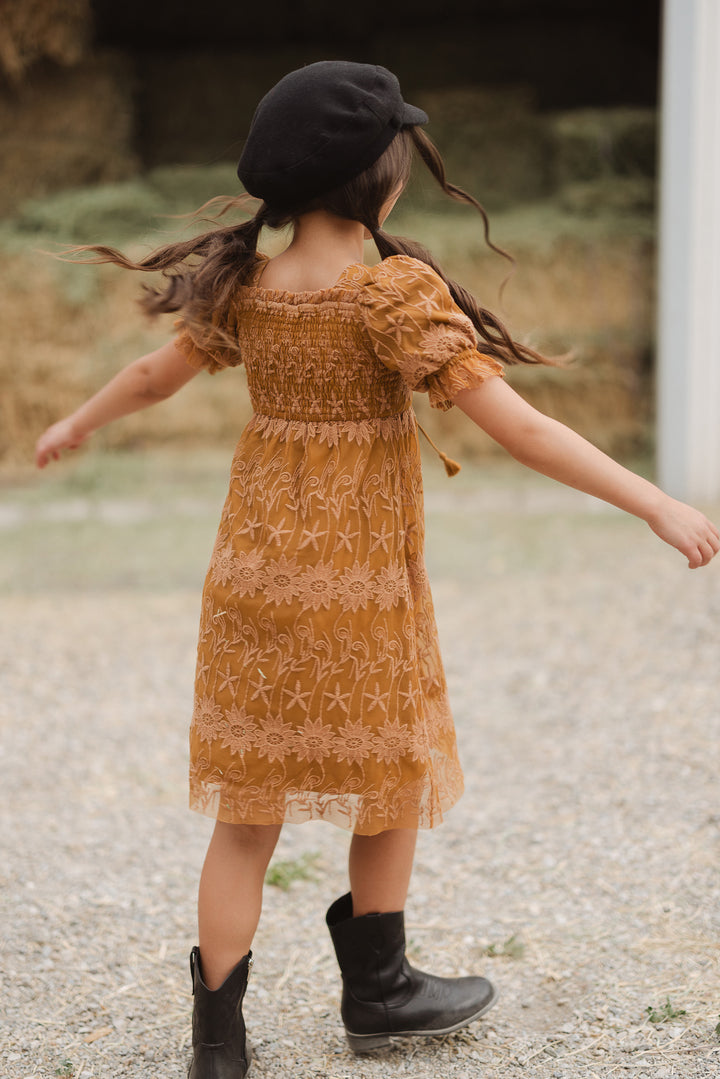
[{"x": 320, "y": 692}]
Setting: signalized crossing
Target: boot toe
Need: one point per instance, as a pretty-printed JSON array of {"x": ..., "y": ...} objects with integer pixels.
[{"x": 441, "y": 1005}]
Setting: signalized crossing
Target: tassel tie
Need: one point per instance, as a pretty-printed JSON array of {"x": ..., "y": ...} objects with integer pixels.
[{"x": 451, "y": 467}]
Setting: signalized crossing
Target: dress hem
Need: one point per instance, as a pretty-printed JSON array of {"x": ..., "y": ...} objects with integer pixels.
[{"x": 344, "y": 811}]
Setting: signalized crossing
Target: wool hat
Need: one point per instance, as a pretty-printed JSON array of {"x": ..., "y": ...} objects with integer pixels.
[{"x": 319, "y": 127}]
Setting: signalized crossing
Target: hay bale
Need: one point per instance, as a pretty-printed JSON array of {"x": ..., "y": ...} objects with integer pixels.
[
  {"x": 492, "y": 142},
  {"x": 197, "y": 105},
  {"x": 32, "y": 30},
  {"x": 592, "y": 144},
  {"x": 67, "y": 128},
  {"x": 618, "y": 195}
]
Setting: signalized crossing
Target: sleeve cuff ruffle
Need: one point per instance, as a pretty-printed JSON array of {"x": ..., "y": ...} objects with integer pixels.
[{"x": 465, "y": 371}]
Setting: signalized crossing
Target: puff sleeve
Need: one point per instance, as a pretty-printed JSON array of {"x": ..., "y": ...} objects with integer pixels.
[
  {"x": 212, "y": 349},
  {"x": 418, "y": 330}
]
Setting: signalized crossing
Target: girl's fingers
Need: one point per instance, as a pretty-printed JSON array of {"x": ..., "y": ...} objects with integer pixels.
[
  {"x": 704, "y": 553},
  {"x": 692, "y": 534},
  {"x": 60, "y": 436},
  {"x": 711, "y": 549}
]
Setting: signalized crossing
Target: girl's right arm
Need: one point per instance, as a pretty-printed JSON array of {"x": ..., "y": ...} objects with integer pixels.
[
  {"x": 555, "y": 450},
  {"x": 144, "y": 382}
]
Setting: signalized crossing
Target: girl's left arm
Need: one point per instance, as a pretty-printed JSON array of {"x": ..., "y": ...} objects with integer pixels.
[
  {"x": 555, "y": 450},
  {"x": 142, "y": 383}
]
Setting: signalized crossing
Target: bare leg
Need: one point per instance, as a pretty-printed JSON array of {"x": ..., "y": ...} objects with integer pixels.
[
  {"x": 230, "y": 895},
  {"x": 380, "y": 867}
]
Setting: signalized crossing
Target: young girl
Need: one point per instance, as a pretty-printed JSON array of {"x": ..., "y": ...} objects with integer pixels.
[{"x": 320, "y": 692}]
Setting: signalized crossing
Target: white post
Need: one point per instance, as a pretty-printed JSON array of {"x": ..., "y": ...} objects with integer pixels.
[{"x": 689, "y": 277}]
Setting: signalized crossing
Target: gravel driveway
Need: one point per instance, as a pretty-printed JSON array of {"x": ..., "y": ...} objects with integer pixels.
[{"x": 579, "y": 871}]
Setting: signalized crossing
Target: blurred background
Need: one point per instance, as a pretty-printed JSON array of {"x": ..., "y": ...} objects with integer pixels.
[{"x": 114, "y": 116}]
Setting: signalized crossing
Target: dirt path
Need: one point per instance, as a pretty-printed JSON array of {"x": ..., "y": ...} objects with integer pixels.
[{"x": 579, "y": 871}]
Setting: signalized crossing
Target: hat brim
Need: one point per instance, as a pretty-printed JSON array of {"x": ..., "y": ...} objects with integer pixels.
[{"x": 411, "y": 115}]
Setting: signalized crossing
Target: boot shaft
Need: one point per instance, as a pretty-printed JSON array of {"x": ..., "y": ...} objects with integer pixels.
[
  {"x": 370, "y": 951},
  {"x": 219, "y": 1041}
]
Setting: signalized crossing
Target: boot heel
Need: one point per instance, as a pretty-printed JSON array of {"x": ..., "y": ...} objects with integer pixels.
[{"x": 367, "y": 1043}]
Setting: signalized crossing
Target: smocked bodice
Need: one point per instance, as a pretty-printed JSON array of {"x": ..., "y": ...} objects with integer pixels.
[
  {"x": 308, "y": 357},
  {"x": 350, "y": 353}
]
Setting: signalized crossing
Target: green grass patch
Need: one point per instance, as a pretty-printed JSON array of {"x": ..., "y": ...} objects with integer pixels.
[
  {"x": 285, "y": 871},
  {"x": 144, "y": 209},
  {"x": 150, "y": 210},
  {"x": 666, "y": 1012},
  {"x": 512, "y": 948}
]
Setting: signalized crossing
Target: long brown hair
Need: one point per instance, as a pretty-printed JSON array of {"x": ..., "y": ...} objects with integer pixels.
[{"x": 202, "y": 274}]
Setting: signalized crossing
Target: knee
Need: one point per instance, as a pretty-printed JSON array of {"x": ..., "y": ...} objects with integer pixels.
[{"x": 257, "y": 838}]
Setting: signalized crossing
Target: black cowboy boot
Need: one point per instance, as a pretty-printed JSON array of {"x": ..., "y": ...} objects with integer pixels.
[
  {"x": 383, "y": 995},
  {"x": 219, "y": 1049}
]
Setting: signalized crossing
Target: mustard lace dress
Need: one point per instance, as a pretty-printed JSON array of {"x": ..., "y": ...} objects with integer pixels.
[{"x": 320, "y": 692}]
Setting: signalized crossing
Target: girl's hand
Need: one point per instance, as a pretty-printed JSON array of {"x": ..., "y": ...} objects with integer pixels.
[
  {"x": 63, "y": 435},
  {"x": 686, "y": 529}
]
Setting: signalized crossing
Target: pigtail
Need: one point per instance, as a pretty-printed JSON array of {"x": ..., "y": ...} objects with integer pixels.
[
  {"x": 430, "y": 156},
  {"x": 200, "y": 274}
]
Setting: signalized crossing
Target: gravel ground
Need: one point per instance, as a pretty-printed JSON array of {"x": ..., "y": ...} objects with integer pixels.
[{"x": 579, "y": 871}]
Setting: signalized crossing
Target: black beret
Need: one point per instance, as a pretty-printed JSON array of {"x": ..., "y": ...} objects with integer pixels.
[{"x": 318, "y": 128}]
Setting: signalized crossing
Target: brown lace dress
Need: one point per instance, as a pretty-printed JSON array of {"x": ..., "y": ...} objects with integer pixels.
[{"x": 320, "y": 690}]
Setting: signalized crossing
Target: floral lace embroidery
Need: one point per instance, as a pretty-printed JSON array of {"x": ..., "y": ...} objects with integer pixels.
[{"x": 320, "y": 691}]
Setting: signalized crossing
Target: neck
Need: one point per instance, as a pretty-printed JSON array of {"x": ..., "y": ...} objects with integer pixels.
[{"x": 323, "y": 235}]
